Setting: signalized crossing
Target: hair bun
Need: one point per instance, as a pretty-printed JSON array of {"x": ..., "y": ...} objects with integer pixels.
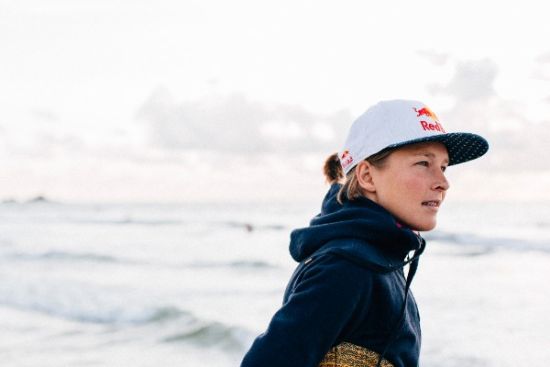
[{"x": 332, "y": 169}]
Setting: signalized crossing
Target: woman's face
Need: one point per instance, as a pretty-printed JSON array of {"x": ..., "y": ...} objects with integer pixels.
[{"x": 412, "y": 185}]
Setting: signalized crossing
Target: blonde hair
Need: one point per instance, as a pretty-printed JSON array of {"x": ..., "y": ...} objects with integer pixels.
[{"x": 350, "y": 189}]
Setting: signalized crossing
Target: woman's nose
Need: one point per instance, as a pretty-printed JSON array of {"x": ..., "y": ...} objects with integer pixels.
[{"x": 441, "y": 182}]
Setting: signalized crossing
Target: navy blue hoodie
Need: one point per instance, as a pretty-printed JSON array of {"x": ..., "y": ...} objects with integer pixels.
[{"x": 349, "y": 287}]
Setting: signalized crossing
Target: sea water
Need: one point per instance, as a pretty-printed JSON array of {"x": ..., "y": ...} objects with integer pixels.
[{"x": 194, "y": 284}]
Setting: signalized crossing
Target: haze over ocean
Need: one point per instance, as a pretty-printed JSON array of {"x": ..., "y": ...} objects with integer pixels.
[{"x": 130, "y": 101}]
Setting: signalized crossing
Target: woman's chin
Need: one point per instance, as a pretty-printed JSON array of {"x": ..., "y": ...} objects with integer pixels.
[{"x": 423, "y": 226}]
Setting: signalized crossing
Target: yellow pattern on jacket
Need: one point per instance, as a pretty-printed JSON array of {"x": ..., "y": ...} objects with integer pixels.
[{"x": 350, "y": 355}]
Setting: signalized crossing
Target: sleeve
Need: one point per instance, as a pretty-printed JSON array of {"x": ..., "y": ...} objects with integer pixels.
[{"x": 323, "y": 304}]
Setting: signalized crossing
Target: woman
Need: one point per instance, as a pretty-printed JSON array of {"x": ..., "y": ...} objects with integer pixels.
[{"x": 348, "y": 302}]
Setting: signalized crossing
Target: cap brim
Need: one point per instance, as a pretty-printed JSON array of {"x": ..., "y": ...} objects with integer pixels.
[{"x": 462, "y": 147}]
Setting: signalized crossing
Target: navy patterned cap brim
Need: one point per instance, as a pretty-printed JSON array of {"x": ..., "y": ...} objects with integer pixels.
[{"x": 462, "y": 147}]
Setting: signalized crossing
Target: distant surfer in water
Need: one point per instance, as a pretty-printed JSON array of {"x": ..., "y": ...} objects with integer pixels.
[{"x": 349, "y": 302}]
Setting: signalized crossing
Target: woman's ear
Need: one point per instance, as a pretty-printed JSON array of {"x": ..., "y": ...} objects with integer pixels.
[{"x": 364, "y": 172}]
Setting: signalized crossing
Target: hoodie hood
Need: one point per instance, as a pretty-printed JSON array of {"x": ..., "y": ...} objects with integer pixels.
[{"x": 361, "y": 230}]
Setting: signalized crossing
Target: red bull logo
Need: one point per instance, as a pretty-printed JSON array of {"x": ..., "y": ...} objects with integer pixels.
[
  {"x": 426, "y": 112},
  {"x": 346, "y": 159}
]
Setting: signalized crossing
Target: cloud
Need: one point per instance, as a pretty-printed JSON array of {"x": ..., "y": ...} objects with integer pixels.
[
  {"x": 543, "y": 58},
  {"x": 541, "y": 70},
  {"x": 436, "y": 58},
  {"x": 472, "y": 81},
  {"x": 234, "y": 124},
  {"x": 44, "y": 114},
  {"x": 476, "y": 103},
  {"x": 516, "y": 141}
]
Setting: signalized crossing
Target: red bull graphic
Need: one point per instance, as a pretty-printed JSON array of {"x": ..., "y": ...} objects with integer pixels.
[
  {"x": 426, "y": 112},
  {"x": 346, "y": 159}
]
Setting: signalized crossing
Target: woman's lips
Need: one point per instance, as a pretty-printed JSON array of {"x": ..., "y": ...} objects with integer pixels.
[{"x": 432, "y": 203}]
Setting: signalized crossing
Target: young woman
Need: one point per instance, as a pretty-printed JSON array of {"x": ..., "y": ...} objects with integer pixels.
[{"x": 348, "y": 302}]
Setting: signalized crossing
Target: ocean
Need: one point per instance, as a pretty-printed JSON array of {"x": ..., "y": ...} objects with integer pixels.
[{"x": 194, "y": 284}]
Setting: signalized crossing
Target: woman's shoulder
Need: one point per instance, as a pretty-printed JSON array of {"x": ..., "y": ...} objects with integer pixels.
[
  {"x": 356, "y": 254},
  {"x": 334, "y": 270},
  {"x": 328, "y": 276}
]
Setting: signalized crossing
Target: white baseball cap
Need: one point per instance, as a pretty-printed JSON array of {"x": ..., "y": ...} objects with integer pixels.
[{"x": 392, "y": 124}]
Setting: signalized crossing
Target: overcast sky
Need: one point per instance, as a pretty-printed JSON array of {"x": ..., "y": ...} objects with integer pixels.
[{"x": 242, "y": 100}]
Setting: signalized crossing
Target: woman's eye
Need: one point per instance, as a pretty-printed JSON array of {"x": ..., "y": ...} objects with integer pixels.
[
  {"x": 443, "y": 168},
  {"x": 423, "y": 163}
]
